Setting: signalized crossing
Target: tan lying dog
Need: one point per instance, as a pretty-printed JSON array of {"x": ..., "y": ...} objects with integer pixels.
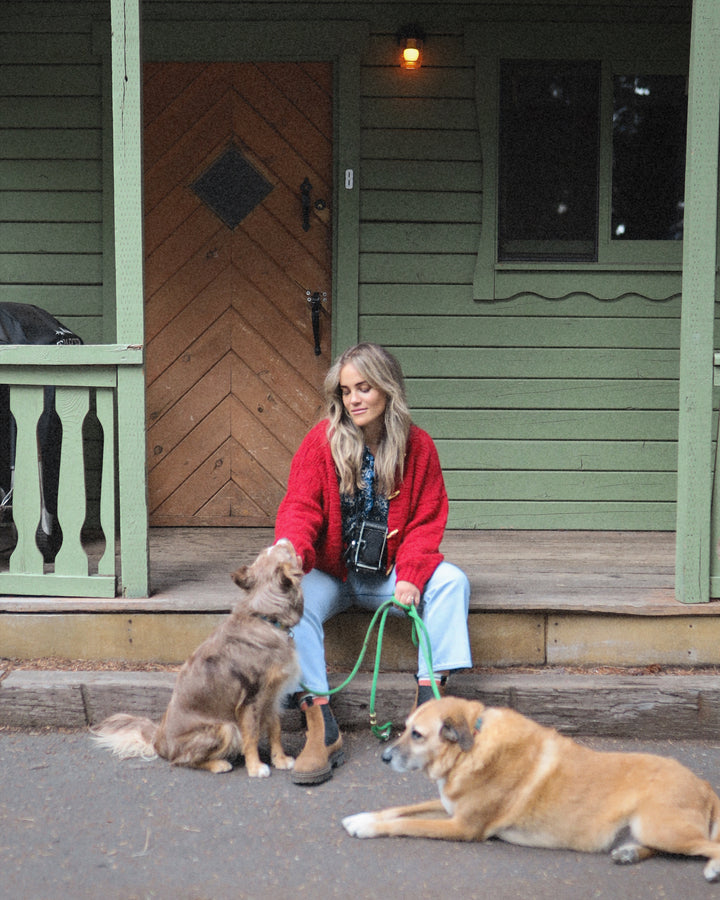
[
  {"x": 227, "y": 693},
  {"x": 503, "y": 775}
]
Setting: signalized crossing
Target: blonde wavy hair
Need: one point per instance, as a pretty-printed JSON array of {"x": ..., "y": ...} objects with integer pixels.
[{"x": 382, "y": 371}]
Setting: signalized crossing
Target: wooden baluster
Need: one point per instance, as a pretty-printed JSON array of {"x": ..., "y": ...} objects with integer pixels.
[
  {"x": 26, "y": 405},
  {"x": 106, "y": 416},
  {"x": 72, "y": 405}
]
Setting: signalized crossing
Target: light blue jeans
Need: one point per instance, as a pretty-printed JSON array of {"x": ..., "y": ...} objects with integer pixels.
[{"x": 443, "y": 608}]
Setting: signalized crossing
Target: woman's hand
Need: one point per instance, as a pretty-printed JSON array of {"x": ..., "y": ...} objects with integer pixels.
[{"x": 407, "y": 593}]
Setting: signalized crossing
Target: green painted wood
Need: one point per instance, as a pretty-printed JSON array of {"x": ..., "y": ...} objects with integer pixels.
[
  {"x": 27, "y": 584},
  {"x": 433, "y": 84},
  {"x": 428, "y": 206},
  {"x": 50, "y": 112},
  {"x": 52, "y": 206},
  {"x": 422, "y": 299},
  {"x": 82, "y": 355},
  {"x": 584, "y": 455},
  {"x": 54, "y": 175},
  {"x": 72, "y": 404},
  {"x": 47, "y": 80},
  {"x": 540, "y": 486},
  {"x": 420, "y": 174},
  {"x": 105, "y": 410},
  {"x": 416, "y": 237},
  {"x": 26, "y": 405},
  {"x": 416, "y": 268},
  {"x": 128, "y": 213},
  {"x": 542, "y": 363},
  {"x": 695, "y": 459},
  {"x": 59, "y": 268},
  {"x": 552, "y": 514},
  {"x": 348, "y": 174},
  {"x": 543, "y": 424},
  {"x": 70, "y": 573},
  {"x": 80, "y": 237},
  {"x": 412, "y": 143},
  {"x": 451, "y": 114},
  {"x": 56, "y": 298},
  {"x": 537, "y": 332},
  {"x": 81, "y": 143},
  {"x": 556, "y": 393}
]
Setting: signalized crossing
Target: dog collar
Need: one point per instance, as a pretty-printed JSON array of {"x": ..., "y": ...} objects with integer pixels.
[
  {"x": 274, "y": 622},
  {"x": 478, "y": 724}
]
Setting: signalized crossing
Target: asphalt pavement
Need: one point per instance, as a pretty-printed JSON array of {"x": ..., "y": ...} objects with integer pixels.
[{"x": 77, "y": 822}]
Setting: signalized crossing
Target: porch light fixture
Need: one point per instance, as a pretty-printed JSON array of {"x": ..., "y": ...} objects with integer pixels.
[{"x": 411, "y": 39}]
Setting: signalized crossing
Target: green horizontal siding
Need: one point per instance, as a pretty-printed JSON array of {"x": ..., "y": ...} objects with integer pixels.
[
  {"x": 551, "y": 394},
  {"x": 548, "y": 425},
  {"x": 552, "y": 514},
  {"x": 548, "y": 413},
  {"x": 573, "y": 455},
  {"x": 51, "y": 163}
]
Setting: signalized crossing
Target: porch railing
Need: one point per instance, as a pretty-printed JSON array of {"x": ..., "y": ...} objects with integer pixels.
[{"x": 79, "y": 374}]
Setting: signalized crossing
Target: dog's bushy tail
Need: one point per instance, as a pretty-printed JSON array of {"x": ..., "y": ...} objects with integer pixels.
[{"x": 127, "y": 736}]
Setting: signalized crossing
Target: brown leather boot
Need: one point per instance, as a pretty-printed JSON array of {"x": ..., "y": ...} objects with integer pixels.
[{"x": 323, "y": 745}]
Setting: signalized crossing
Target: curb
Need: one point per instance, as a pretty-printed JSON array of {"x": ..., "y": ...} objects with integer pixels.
[{"x": 642, "y": 707}]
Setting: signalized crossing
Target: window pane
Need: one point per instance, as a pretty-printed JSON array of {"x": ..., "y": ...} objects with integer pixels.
[
  {"x": 548, "y": 168},
  {"x": 649, "y": 124}
]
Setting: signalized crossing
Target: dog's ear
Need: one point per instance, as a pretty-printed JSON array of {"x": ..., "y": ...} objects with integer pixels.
[
  {"x": 287, "y": 576},
  {"x": 242, "y": 578},
  {"x": 457, "y": 733}
]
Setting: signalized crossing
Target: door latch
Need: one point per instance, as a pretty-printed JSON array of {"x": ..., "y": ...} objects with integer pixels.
[{"x": 315, "y": 301}]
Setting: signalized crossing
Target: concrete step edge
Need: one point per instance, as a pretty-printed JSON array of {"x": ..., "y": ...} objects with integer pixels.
[{"x": 643, "y": 707}]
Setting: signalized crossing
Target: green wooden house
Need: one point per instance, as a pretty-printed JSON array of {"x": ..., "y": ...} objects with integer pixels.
[{"x": 219, "y": 197}]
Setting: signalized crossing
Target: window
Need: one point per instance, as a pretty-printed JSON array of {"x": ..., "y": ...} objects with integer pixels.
[
  {"x": 648, "y": 168},
  {"x": 549, "y": 159},
  {"x": 549, "y": 151},
  {"x": 583, "y": 132}
]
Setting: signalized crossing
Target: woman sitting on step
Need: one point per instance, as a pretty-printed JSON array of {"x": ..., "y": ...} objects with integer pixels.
[{"x": 365, "y": 510}]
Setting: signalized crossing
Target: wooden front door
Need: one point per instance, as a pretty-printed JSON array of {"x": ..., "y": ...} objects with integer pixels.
[{"x": 238, "y": 162}]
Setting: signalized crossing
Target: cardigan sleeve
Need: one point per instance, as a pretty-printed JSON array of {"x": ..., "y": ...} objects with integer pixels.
[
  {"x": 418, "y": 553},
  {"x": 302, "y": 514}
]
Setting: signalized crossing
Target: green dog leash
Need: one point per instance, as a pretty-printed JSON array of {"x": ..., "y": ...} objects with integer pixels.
[{"x": 419, "y": 638}]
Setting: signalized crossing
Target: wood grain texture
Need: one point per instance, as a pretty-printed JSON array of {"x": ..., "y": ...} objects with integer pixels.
[{"x": 233, "y": 382}]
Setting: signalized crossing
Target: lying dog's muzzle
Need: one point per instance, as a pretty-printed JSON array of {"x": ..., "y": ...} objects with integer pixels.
[{"x": 387, "y": 754}]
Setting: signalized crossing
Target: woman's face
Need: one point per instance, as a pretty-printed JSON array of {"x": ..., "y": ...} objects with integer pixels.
[{"x": 365, "y": 404}]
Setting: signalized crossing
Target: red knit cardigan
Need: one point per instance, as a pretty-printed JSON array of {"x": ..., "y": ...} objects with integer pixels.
[{"x": 309, "y": 514}]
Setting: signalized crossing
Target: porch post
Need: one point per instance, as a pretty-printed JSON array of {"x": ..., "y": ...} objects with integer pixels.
[
  {"x": 127, "y": 172},
  {"x": 695, "y": 460}
]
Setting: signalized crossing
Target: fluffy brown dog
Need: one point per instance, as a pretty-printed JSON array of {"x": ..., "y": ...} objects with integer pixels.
[
  {"x": 503, "y": 775},
  {"x": 227, "y": 693}
]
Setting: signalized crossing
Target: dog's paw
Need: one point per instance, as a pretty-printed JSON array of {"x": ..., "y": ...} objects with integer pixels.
[
  {"x": 361, "y": 825},
  {"x": 712, "y": 870},
  {"x": 283, "y": 762},
  {"x": 626, "y": 854},
  {"x": 217, "y": 766},
  {"x": 260, "y": 771}
]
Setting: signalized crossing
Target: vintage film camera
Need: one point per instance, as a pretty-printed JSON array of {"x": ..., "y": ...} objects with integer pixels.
[{"x": 366, "y": 551}]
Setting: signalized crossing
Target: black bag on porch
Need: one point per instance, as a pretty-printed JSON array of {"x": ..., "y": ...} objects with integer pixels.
[{"x": 23, "y": 323}]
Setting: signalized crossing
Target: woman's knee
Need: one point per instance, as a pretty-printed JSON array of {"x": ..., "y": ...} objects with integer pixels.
[
  {"x": 449, "y": 580},
  {"x": 321, "y": 596}
]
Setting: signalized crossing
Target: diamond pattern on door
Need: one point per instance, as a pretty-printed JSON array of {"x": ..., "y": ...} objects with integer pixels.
[
  {"x": 231, "y": 187},
  {"x": 233, "y": 382}
]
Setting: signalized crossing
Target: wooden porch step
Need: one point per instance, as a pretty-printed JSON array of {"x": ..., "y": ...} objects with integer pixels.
[
  {"x": 538, "y": 598},
  {"x": 640, "y": 707}
]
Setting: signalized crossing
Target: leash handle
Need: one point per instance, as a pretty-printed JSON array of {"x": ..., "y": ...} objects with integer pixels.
[{"x": 420, "y": 638}]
